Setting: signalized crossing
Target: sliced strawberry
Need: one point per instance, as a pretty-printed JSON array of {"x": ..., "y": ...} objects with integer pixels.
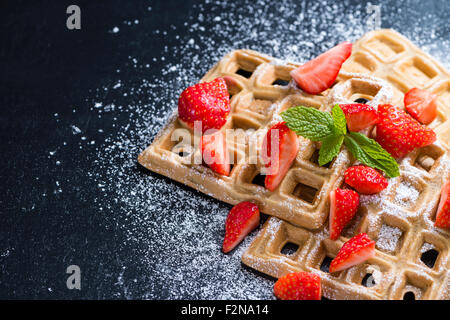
[
  {"x": 215, "y": 152},
  {"x": 399, "y": 133},
  {"x": 359, "y": 116},
  {"x": 208, "y": 102},
  {"x": 242, "y": 219},
  {"x": 343, "y": 206},
  {"x": 355, "y": 251},
  {"x": 421, "y": 105},
  {"x": 365, "y": 180},
  {"x": 320, "y": 73},
  {"x": 279, "y": 149},
  {"x": 298, "y": 286},
  {"x": 443, "y": 212}
]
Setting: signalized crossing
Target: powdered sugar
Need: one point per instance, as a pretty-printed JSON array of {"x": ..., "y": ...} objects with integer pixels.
[
  {"x": 388, "y": 238},
  {"x": 426, "y": 247}
]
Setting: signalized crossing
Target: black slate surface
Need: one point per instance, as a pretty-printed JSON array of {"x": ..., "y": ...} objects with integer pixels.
[{"x": 46, "y": 69}]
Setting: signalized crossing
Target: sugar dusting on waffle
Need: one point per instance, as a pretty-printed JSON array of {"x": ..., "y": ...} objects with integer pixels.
[{"x": 174, "y": 232}]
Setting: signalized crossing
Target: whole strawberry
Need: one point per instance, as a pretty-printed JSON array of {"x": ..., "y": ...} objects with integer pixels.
[
  {"x": 208, "y": 102},
  {"x": 365, "y": 179},
  {"x": 298, "y": 286},
  {"x": 399, "y": 134},
  {"x": 343, "y": 206},
  {"x": 242, "y": 219}
]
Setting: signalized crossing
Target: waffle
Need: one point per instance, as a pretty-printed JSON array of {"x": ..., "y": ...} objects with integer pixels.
[{"x": 382, "y": 67}]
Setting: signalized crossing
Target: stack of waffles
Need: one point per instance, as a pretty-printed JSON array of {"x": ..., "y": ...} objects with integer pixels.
[{"x": 412, "y": 256}]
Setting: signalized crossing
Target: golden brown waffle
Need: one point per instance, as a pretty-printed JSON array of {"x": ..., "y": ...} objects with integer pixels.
[{"x": 302, "y": 197}]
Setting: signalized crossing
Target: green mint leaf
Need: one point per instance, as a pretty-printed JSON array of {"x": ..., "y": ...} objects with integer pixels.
[
  {"x": 309, "y": 122},
  {"x": 330, "y": 148},
  {"x": 369, "y": 152},
  {"x": 340, "y": 124}
]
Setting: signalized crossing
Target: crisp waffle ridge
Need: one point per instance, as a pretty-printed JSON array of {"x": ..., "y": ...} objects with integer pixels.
[{"x": 383, "y": 66}]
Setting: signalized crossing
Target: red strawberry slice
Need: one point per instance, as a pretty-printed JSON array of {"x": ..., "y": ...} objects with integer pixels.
[
  {"x": 208, "y": 102},
  {"x": 298, "y": 286},
  {"x": 279, "y": 149},
  {"x": 399, "y": 133},
  {"x": 443, "y": 212},
  {"x": 320, "y": 73},
  {"x": 215, "y": 152},
  {"x": 359, "y": 116},
  {"x": 421, "y": 105},
  {"x": 343, "y": 206},
  {"x": 355, "y": 251},
  {"x": 242, "y": 219},
  {"x": 365, "y": 180}
]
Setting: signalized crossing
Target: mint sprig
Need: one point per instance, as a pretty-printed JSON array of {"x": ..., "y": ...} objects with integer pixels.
[
  {"x": 309, "y": 123},
  {"x": 331, "y": 130}
]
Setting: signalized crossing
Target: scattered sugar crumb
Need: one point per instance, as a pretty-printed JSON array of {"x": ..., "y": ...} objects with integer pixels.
[{"x": 75, "y": 129}]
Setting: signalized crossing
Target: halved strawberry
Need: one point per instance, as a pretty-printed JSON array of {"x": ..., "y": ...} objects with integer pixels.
[
  {"x": 443, "y": 211},
  {"x": 279, "y": 149},
  {"x": 355, "y": 251},
  {"x": 242, "y": 219},
  {"x": 365, "y": 179},
  {"x": 421, "y": 105},
  {"x": 208, "y": 102},
  {"x": 320, "y": 73},
  {"x": 343, "y": 206},
  {"x": 399, "y": 133},
  {"x": 215, "y": 153},
  {"x": 359, "y": 116},
  {"x": 298, "y": 286}
]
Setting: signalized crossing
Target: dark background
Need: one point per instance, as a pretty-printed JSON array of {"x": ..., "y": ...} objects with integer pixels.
[{"x": 55, "y": 209}]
